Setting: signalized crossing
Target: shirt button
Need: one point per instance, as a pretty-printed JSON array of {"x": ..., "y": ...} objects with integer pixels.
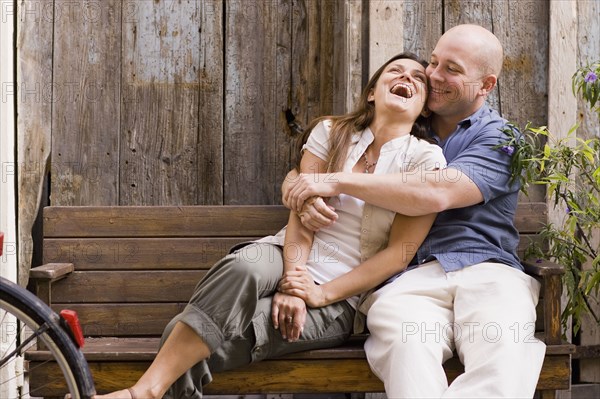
[{"x": 364, "y": 230}]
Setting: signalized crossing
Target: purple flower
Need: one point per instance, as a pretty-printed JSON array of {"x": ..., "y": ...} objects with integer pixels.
[
  {"x": 591, "y": 77},
  {"x": 568, "y": 210},
  {"x": 508, "y": 149}
]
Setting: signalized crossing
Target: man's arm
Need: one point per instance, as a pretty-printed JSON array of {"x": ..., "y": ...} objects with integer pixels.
[
  {"x": 410, "y": 193},
  {"x": 315, "y": 213}
]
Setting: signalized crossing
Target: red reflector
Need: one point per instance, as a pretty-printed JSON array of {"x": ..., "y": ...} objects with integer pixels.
[{"x": 72, "y": 320}]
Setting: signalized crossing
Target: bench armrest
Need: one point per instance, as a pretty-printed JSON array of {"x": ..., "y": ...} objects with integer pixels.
[
  {"x": 551, "y": 276},
  {"x": 43, "y": 276},
  {"x": 51, "y": 271},
  {"x": 542, "y": 268}
]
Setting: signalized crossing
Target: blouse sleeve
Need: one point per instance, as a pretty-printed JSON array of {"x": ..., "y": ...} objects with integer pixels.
[
  {"x": 429, "y": 157},
  {"x": 318, "y": 141}
]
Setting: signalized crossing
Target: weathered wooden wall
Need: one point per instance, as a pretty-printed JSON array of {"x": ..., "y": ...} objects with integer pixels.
[{"x": 182, "y": 102}]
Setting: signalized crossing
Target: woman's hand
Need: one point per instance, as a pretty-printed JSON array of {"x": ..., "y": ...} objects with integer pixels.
[
  {"x": 289, "y": 315},
  {"x": 300, "y": 283},
  {"x": 316, "y": 214}
]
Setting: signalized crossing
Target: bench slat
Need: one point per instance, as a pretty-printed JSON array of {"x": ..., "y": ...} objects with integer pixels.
[
  {"x": 123, "y": 320},
  {"x": 531, "y": 216},
  {"x": 127, "y": 287},
  {"x": 299, "y": 376},
  {"x": 156, "y": 253},
  {"x": 201, "y": 221},
  {"x": 164, "y": 221},
  {"x": 139, "y": 253}
]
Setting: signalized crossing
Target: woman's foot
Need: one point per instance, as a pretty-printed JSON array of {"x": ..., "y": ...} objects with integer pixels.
[{"x": 123, "y": 394}]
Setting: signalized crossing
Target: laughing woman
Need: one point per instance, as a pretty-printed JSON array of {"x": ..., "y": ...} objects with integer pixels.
[{"x": 299, "y": 289}]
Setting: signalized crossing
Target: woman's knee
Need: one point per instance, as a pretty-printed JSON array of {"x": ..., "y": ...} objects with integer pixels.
[{"x": 256, "y": 261}]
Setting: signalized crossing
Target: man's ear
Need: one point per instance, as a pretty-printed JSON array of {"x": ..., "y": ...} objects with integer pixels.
[{"x": 488, "y": 84}]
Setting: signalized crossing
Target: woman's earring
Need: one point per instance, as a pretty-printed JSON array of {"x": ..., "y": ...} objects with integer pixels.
[{"x": 425, "y": 112}]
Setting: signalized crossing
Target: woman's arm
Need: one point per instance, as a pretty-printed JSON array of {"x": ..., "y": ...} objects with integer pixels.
[
  {"x": 406, "y": 235},
  {"x": 296, "y": 249}
]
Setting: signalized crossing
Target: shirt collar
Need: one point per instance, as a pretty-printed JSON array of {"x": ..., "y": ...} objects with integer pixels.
[{"x": 465, "y": 123}]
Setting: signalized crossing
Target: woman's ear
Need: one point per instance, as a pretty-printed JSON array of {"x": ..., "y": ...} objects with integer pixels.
[{"x": 371, "y": 96}]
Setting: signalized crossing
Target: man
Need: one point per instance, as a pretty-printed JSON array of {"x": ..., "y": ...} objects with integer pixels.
[{"x": 466, "y": 290}]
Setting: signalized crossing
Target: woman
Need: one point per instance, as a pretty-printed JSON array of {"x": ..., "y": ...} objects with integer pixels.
[{"x": 245, "y": 311}]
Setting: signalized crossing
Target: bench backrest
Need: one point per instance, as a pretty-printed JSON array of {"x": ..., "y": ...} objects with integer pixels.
[{"x": 136, "y": 267}]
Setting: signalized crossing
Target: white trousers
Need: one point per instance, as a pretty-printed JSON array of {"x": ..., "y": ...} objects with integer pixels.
[{"x": 486, "y": 312}]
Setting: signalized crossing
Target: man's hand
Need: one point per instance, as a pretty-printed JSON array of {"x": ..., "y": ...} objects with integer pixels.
[
  {"x": 299, "y": 282},
  {"x": 289, "y": 315},
  {"x": 307, "y": 185}
]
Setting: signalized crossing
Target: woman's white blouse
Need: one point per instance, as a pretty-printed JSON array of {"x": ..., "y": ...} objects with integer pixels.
[{"x": 361, "y": 230}]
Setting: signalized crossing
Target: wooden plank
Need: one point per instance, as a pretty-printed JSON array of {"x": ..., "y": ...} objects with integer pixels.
[
  {"x": 130, "y": 287},
  {"x": 161, "y": 253},
  {"x": 422, "y": 26},
  {"x": 386, "y": 31},
  {"x": 123, "y": 320},
  {"x": 522, "y": 90},
  {"x": 257, "y": 85},
  {"x": 139, "y": 253},
  {"x": 530, "y": 216},
  {"x": 562, "y": 106},
  {"x": 349, "y": 375},
  {"x": 86, "y": 92},
  {"x": 160, "y": 109},
  {"x": 159, "y": 221},
  {"x": 33, "y": 58},
  {"x": 327, "y": 57},
  {"x": 204, "y": 221},
  {"x": 348, "y": 38},
  {"x": 209, "y": 153}
]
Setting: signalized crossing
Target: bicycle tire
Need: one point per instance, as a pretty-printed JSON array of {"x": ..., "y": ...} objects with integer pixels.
[{"x": 30, "y": 312}]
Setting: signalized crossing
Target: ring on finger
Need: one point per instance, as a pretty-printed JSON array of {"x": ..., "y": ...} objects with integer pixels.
[{"x": 289, "y": 319}]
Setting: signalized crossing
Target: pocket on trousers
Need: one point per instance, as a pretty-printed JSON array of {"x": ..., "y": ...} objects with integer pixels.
[{"x": 325, "y": 327}]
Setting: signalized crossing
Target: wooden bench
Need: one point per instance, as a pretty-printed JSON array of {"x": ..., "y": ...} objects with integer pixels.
[{"x": 128, "y": 270}]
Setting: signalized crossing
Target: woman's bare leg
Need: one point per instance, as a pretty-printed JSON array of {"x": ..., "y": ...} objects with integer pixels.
[{"x": 182, "y": 350}]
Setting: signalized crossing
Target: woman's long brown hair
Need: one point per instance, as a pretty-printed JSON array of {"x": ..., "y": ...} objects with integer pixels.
[{"x": 345, "y": 126}]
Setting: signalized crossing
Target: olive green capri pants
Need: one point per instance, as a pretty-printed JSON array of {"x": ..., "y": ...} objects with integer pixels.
[{"x": 231, "y": 311}]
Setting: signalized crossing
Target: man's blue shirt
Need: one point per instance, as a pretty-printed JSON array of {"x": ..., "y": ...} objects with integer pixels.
[{"x": 484, "y": 232}]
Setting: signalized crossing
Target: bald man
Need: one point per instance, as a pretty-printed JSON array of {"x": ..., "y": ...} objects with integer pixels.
[{"x": 465, "y": 291}]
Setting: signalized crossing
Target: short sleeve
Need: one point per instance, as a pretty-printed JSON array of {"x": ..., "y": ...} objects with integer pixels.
[
  {"x": 318, "y": 140},
  {"x": 486, "y": 165},
  {"x": 425, "y": 156},
  {"x": 430, "y": 156}
]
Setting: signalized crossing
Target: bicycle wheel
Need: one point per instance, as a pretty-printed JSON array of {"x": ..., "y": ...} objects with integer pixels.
[{"x": 27, "y": 322}]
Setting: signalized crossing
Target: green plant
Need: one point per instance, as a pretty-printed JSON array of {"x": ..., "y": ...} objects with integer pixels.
[{"x": 569, "y": 167}]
